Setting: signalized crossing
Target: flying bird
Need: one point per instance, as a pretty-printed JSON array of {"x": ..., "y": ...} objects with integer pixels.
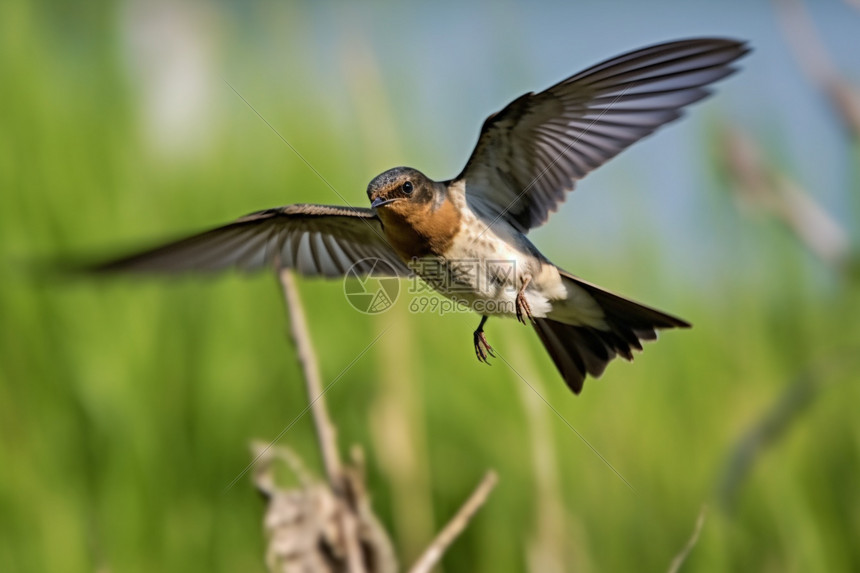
[{"x": 467, "y": 236}]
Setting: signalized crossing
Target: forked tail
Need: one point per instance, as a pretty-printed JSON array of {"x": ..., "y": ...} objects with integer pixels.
[{"x": 578, "y": 349}]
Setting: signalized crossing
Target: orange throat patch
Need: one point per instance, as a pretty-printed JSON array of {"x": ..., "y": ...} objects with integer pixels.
[{"x": 419, "y": 230}]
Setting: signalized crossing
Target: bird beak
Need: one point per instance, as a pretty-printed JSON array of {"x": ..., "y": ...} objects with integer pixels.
[{"x": 380, "y": 201}]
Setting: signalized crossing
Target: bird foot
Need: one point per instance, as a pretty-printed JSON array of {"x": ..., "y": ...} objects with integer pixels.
[
  {"x": 524, "y": 309},
  {"x": 482, "y": 347}
]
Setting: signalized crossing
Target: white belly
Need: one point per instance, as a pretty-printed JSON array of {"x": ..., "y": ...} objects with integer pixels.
[{"x": 485, "y": 272}]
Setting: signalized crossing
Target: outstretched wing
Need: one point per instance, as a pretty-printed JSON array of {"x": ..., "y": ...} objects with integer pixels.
[
  {"x": 315, "y": 240},
  {"x": 533, "y": 151}
]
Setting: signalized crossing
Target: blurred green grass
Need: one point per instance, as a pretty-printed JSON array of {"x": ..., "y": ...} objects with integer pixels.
[{"x": 127, "y": 406}]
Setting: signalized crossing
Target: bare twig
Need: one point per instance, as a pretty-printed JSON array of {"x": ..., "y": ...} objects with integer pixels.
[
  {"x": 679, "y": 559},
  {"x": 455, "y": 527},
  {"x": 326, "y": 432},
  {"x": 312, "y": 529}
]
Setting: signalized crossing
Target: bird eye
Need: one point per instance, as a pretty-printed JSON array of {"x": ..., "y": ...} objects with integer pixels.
[{"x": 407, "y": 187}]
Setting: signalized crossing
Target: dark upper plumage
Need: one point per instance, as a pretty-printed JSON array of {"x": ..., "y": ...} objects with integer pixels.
[
  {"x": 316, "y": 240},
  {"x": 534, "y": 150}
]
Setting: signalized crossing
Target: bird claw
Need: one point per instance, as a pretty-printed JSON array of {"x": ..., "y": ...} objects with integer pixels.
[
  {"x": 524, "y": 310},
  {"x": 482, "y": 347}
]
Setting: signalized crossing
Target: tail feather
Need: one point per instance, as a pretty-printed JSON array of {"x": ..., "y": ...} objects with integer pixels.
[{"x": 578, "y": 350}]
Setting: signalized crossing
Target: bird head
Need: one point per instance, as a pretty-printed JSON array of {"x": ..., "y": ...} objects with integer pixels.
[{"x": 401, "y": 190}]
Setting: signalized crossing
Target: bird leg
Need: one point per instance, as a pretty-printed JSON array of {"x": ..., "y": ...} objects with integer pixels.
[
  {"x": 523, "y": 308},
  {"x": 482, "y": 347}
]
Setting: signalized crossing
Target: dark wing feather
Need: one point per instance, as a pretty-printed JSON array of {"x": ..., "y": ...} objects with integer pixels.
[
  {"x": 315, "y": 240},
  {"x": 533, "y": 151}
]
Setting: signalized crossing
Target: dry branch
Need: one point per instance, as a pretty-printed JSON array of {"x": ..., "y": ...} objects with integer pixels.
[
  {"x": 330, "y": 527},
  {"x": 455, "y": 527},
  {"x": 344, "y": 487},
  {"x": 326, "y": 432},
  {"x": 681, "y": 557}
]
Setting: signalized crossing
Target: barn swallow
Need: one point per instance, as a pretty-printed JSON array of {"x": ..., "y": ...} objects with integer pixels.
[{"x": 466, "y": 236}]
